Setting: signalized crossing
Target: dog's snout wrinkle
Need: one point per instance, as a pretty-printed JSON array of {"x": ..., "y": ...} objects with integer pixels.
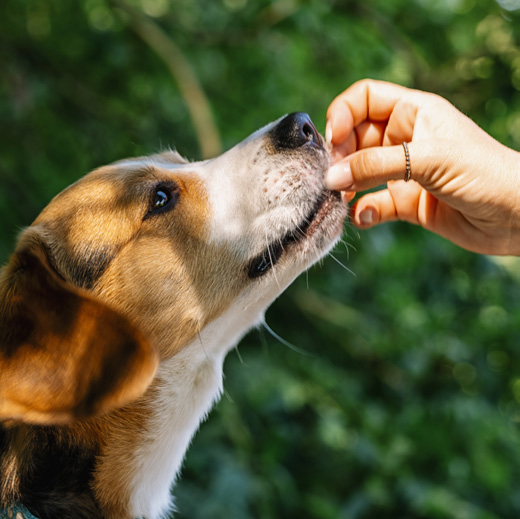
[{"x": 294, "y": 131}]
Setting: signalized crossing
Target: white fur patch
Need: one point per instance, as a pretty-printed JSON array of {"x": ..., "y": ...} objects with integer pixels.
[{"x": 190, "y": 383}]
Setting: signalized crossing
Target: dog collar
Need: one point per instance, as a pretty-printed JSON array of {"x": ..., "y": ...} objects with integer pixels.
[{"x": 16, "y": 511}]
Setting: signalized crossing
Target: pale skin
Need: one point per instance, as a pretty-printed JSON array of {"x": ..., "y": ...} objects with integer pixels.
[{"x": 465, "y": 185}]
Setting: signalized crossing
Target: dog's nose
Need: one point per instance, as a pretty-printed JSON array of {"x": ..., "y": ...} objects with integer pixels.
[{"x": 294, "y": 131}]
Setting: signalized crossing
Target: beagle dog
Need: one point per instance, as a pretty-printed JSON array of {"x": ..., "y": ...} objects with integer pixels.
[{"x": 121, "y": 301}]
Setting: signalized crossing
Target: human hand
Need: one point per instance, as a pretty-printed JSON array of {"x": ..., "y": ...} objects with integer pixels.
[{"x": 464, "y": 185}]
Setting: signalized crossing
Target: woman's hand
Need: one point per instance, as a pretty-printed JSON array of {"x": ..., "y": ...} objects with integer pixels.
[{"x": 464, "y": 185}]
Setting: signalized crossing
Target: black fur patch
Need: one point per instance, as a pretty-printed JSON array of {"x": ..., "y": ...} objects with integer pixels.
[
  {"x": 54, "y": 481},
  {"x": 89, "y": 264}
]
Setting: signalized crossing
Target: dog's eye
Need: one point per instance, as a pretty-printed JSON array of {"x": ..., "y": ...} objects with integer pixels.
[
  {"x": 164, "y": 197},
  {"x": 161, "y": 199}
]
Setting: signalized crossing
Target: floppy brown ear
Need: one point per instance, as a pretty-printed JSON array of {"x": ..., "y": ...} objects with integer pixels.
[{"x": 63, "y": 354}]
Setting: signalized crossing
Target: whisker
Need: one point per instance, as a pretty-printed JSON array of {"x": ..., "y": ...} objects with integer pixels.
[
  {"x": 286, "y": 343},
  {"x": 203, "y": 347},
  {"x": 347, "y": 249},
  {"x": 342, "y": 265},
  {"x": 228, "y": 396},
  {"x": 271, "y": 260},
  {"x": 349, "y": 227},
  {"x": 263, "y": 339},
  {"x": 240, "y": 357},
  {"x": 300, "y": 231}
]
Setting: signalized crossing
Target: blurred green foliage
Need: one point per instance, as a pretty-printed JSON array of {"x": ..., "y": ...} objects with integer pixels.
[{"x": 408, "y": 403}]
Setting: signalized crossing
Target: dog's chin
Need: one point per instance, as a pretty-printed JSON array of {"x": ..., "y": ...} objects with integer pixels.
[
  {"x": 322, "y": 228},
  {"x": 308, "y": 241},
  {"x": 327, "y": 207}
]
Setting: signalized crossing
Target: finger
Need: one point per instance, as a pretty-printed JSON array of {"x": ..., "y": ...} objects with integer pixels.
[
  {"x": 340, "y": 122},
  {"x": 401, "y": 201},
  {"x": 347, "y": 196},
  {"x": 347, "y": 147},
  {"x": 369, "y": 134},
  {"x": 369, "y": 168},
  {"x": 410, "y": 203},
  {"x": 366, "y": 100},
  {"x": 373, "y": 209},
  {"x": 365, "y": 135}
]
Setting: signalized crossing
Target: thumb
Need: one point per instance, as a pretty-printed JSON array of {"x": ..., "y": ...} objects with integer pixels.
[{"x": 372, "y": 167}]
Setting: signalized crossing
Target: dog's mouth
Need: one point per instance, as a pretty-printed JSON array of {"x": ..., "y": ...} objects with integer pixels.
[{"x": 264, "y": 262}]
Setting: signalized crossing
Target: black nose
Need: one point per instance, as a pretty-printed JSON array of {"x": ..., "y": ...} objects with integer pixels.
[{"x": 294, "y": 131}]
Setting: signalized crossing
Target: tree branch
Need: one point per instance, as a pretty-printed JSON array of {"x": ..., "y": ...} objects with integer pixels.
[{"x": 198, "y": 105}]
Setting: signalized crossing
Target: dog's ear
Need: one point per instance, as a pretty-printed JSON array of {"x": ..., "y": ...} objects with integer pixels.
[{"x": 63, "y": 355}]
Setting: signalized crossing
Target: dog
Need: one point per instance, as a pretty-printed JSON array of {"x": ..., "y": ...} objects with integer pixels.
[{"x": 120, "y": 302}]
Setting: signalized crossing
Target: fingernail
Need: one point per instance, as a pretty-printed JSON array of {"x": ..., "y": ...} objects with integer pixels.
[
  {"x": 367, "y": 216},
  {"x": 328, "y": 132},
  {"x": 339, "y": 176},
  {"x": 347, "y": 196}
]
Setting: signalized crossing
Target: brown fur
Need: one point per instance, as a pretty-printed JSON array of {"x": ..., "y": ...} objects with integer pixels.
[
  {"x": 67, "y": 355},
  {"x": 49, "y": 334},
  {"x": 107, "y": 302}
]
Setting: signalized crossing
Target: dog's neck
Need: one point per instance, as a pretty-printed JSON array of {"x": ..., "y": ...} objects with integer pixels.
[
  {"x": 143, "y": 464},
  {"x": 186, "y": 390}
]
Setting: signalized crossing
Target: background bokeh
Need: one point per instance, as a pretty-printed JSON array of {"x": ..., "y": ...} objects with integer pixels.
[{"x": 406, "y": 403}]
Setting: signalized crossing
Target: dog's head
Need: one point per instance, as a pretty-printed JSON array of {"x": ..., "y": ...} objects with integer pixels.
[{"x": 126, "y": 266}]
